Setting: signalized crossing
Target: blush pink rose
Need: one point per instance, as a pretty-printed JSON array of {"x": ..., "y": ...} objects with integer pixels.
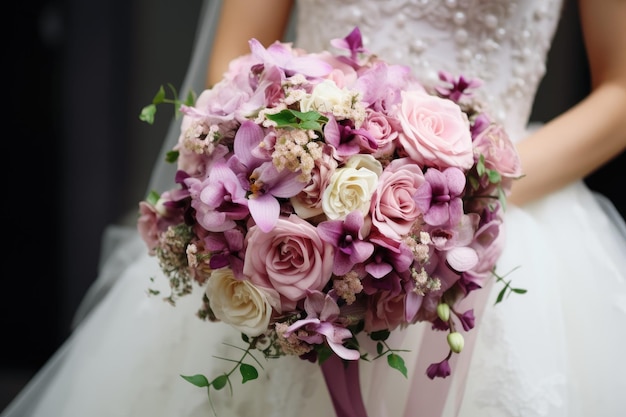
[
  {"x": 384, "y": 311},
  {"x": 499, "y": 151},
  {"x": 436, "y": 132},
  {"x": 384, "y": 130},
  {"x": 308, "y": 203},
  {"x": 147, "y": 226},
  {"x": 290, "y": 259},
  {"x": 393, "y": 208}
]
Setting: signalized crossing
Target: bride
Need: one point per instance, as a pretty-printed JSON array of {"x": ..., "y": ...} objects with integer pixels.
[{"x": 555, "y": 351}]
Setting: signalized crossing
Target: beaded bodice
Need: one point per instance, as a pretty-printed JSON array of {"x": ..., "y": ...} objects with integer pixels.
[{"x": 502, "y": 42}]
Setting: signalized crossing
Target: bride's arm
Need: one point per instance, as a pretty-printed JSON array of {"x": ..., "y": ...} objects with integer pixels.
[
  {"x": 241, "y": 20},
  {"x": 593, "y": 132}
]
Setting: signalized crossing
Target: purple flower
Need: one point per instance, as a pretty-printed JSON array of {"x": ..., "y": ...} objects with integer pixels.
[
  {"x": 346, "y": 237},
  {"x": 264, "y": 184},
  {"x": 439, "y": 197},
  {"x": 282, "y": 56},
  {"x": 439, "y": 370},
  {"x": 321, "y": 323},
  {"x": 458, "y": 87},
  {"x": 389, "y": 254},
  {"x": 219, "y": 200},
  {"x": 225, "y": 250},
  {"x": 353, "y": 43},
  {"x": 346, "y": 140},
  {"x": 467, "y": 319}
]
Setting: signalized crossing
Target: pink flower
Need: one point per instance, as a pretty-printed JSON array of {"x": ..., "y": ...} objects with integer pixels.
[
  {"x": 385, "y": 310},
  {"x": 308, "y": 203},
  {"x": 499, "y": 151},
  {"x": 435, "y": 132},
  {"x": 291, "y": 258},
  {"x": 384, "y": 130},
  {"x": 346, "y": 236},
  {"x": 393, "y": 208},
  {"x": 323, "y": 323},
  {"x": 440, "y": 196},
  {"x": 147, "y": 226}
]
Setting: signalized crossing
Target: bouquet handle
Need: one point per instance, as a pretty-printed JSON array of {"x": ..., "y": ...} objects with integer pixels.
[{"x": 344, "y": 386}]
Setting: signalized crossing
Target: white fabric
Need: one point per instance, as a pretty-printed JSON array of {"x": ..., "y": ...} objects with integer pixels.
[{"x": 555, "y": 351}]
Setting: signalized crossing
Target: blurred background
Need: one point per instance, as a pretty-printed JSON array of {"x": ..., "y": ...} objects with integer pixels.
[{"x": 81, "y": 72}]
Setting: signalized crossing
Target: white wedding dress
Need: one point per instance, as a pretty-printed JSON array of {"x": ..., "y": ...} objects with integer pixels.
[{"x": 556, "y": 351}]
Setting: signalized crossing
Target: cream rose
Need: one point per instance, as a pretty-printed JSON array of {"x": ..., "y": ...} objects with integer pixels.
[
  {"x": 324, "y": 97},
  {"x": 239, "y": 303},
  {"x": 351, "y": 187},
  {"x": 435, "y": 131}
]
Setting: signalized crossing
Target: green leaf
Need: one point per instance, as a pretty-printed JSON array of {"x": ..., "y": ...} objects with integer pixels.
[
  {"x": 198, "y": 380},
  {"x": 147, "y": 114},
  {"x": 379, "y": 348},
  {"x": 220, "y": 382},
  {"x": 501, "y": 295},
  {"x": 310, "y": 125},
  {"x": 480, "y": 165},
  {"x": 297, "y": 119},
  {"x": 380, "y": 335},
  {"x": 494, "y": 176},
  {"x": 248, "y": 372},
  {"x": 153, "y": 197},
  {"x": 191, "y": 98},
  {"x": 519, "y": 290},
  {"x": 323, "y": 353},
  {"x": 171, "y": 156},
  {"x": 396, "y": 362},
  {"x": 474, "y": 182},
  {"x": 159, "y": 97}
]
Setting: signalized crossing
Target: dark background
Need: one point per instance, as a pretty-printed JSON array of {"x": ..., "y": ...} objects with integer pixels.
[{"x": 80, "y": 158}]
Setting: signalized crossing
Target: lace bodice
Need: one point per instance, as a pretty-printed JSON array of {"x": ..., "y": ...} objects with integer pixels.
[{"x": 502, "y": 42}]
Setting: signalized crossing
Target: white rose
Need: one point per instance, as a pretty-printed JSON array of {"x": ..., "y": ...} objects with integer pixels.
[
  {"x": 350, "y": 188},
  {"x": 239, "y": 303},
  {"x": 325, "y": 97}
]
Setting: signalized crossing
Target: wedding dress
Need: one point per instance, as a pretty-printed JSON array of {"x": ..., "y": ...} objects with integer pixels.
[{"x": 554, "y": 351}]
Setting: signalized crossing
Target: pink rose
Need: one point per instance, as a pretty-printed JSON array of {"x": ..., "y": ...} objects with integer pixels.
[
  {"x": 383, "y": 130},
  {"x": 147, "y": 226},
  {"x": 499, "y": 151},
  {"x": 291, "y": 259},
  {"x": 308, "y": 203},
  {"x": 393, "y": 208},
  {"x": 436, "y": 132},
  {"x": 384, "y": 311}
]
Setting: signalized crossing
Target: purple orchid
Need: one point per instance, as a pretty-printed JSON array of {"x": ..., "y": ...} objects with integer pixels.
[
  {"x": 346, "y": 237},
  {"x": 225, "y": 250},
  {"x": 282, "y": 56},
  {"x": 321, "y": 324},
  {"x": 219, "y": 200},
  {"x": 481, "y": 122},
  {"x": 346, "y": 140},
  {"x": 353, "y": 43},
  {"x": 440, "y": 196},
  {"x": 381, "y": 85},
  {"x": 264, "y": 184},
  {"x": 458, "y": 86},
  {"x": 389, "y": 255}
]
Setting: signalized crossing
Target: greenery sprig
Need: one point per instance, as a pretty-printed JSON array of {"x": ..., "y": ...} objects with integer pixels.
[{"x": 148, "y": 112}]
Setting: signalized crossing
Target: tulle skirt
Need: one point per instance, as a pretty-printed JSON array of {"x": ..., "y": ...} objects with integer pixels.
[{"x": 554, "y": 351}]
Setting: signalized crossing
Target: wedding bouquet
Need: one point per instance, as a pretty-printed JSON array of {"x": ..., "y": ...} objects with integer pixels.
[{"x": 321, "y": 196}]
